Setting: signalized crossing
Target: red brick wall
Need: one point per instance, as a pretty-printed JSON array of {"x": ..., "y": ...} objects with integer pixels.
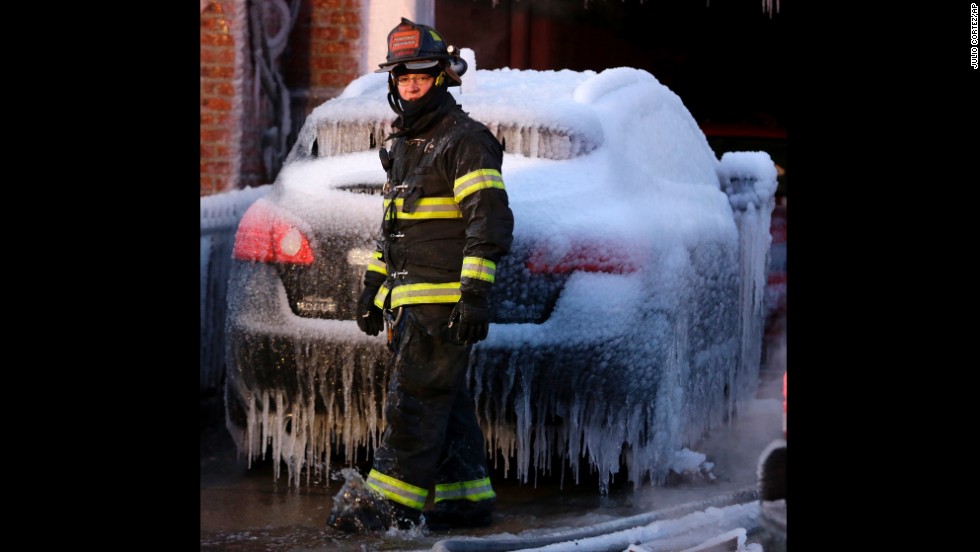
[
  {"x": 321, "y": 59},
  {"x": 218, "y": 120}
]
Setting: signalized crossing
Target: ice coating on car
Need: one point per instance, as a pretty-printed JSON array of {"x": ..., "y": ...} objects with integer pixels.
[{"x": 628, "y": 316}]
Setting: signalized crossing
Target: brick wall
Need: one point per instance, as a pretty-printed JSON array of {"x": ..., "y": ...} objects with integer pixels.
[
  {"x": 220, "y": 125},
  {"x": 320, "y": 60}
]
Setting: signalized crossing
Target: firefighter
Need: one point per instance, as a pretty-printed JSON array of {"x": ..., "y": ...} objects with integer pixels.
[{"x": 446, "y": 224}]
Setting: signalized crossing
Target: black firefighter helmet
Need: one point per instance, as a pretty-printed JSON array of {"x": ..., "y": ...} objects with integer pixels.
[{"x": 413, "y": 47}]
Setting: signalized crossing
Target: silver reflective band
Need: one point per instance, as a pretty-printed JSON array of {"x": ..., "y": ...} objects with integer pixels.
[
  {"x": 473, "y": 491},
  {"x": 479, "y": 269},
  {"x": 396, "y": 490}
]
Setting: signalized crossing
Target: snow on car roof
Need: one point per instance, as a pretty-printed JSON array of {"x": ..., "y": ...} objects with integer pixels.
[
  {"x": 648, "y": 172},
  {"x": 552, "y": 114}
]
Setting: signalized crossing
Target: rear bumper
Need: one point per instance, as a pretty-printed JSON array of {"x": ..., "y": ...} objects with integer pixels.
[{"x": 277, "y": 360}]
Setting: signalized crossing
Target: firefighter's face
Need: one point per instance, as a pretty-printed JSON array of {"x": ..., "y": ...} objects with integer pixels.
[{"x": 413, "y": 85}]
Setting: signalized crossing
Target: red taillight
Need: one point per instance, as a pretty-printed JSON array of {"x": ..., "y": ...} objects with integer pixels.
[
  {"x": 582, "y": 258},
  {"x": 263, "y": 236}
]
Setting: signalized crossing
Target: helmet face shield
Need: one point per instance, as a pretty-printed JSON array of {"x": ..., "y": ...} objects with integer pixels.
[
  {"x": 421, "y": 64},
  {"x": 409, "y": 66}
]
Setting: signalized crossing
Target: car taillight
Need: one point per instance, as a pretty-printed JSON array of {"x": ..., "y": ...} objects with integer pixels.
[
  {"x": 263, "y": 236},
  {"x": 582, "y": 258}
]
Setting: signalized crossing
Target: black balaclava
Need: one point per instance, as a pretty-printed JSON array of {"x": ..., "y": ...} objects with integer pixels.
[{"x": 416, "y": 116}]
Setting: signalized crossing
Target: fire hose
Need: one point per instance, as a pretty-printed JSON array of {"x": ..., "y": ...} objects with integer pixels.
[{"x": 473, "y": 544}]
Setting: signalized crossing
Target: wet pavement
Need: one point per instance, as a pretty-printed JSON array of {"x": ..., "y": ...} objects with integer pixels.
[{"x": 247, "y": 509}]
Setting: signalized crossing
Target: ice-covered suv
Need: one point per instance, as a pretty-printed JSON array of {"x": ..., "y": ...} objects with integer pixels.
[{"x": 627, "y": 319}]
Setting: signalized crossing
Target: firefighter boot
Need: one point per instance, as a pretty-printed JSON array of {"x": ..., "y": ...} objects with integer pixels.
[
  {"x": 359, "y": 509},
  {"x": 449, "y": 514}
]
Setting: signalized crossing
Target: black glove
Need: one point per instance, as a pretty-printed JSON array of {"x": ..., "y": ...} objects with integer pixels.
[
  {"x": 470, "y": 320},
  {"x": 369, "y": 317}
]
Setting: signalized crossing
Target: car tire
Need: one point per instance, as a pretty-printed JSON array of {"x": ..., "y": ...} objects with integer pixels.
[{"x": 772, "y": 475}]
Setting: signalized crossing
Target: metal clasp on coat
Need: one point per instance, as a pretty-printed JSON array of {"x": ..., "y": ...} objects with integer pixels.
[{"x": 391, "y": 320}]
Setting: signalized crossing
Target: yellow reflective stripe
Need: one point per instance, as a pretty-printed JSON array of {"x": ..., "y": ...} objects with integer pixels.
[
  {"x": 413, "y": 294},
  {"x": 480, "y": 269},
  {"x": 379, "y": 299},
  {"x": 377, "y": 265},
  {"x": 426, "y": 208},
  {"x": 473, "y": 491},
  {"x": 396, "y": 490},
  {"x": 476, "y": 180}
]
